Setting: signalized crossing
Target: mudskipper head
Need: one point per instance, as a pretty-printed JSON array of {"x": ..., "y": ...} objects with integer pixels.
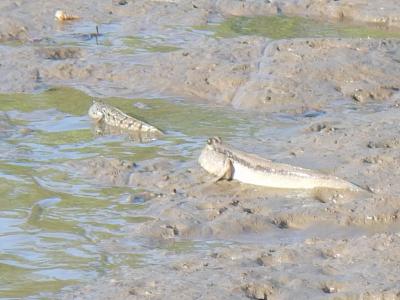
[
  {"x": 213, "y": 141},
  {"x": 95, "y": 111},
  {"x": 59, "y": 15},
  {"x": 212, "y": 159}
]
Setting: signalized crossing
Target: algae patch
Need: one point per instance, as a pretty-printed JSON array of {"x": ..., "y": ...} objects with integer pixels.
[
  {"x": 282, "y": 27},
  {"x": 67, "y": 100},
  {"x": 137, "y": 44}
]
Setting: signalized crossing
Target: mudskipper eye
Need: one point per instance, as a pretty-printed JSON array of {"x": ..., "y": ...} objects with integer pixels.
[{"x": 209, "y": 141}]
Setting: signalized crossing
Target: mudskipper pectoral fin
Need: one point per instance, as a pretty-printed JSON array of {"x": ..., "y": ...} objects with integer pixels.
[
  {"x": 226, "y": 171},
  {"x": 99, "y": 121}
]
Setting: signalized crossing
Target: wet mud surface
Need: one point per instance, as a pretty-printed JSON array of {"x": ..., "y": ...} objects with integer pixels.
[
  {"x": 150, "y": 223},
  {"x": 270, "y": 237},
  {"x": 275, "y": 272}
]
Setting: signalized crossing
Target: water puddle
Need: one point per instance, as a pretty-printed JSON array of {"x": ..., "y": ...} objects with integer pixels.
[
  {"x": 105, "y": 38},
  {"x": 281, "y": 27},
  {"x": 85, "y": 33}
]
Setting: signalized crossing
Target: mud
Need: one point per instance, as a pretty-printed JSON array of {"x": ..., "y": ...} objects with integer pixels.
[
  {"x": 252, "y": 73},
  {"x": 266, "y": 272},
  {"x": 330, "y": 104},
  {"x": 108, "y": 171},
  {"x": 60, "y": 53}
]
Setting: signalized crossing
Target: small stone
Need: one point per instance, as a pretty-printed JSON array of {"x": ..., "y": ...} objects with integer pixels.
[
  {"x": 360, "y": 96},
  {"x": 329, "y": 289},
  {"x": 370, "y": 189},
  {"x": 132, "y": 292},
  {"x": 257, "y": 290},
  {"x": 235, "y": 203},
  {"x": 222, "y": 210},
  {"x": 248, "y": 210}
]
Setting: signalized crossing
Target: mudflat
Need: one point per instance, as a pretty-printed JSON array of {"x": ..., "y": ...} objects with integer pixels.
[{"x": 310, "y": 84}]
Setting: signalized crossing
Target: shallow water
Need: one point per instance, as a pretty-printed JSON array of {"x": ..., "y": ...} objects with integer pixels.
[
  {"x": 106, "y": 37},
  {"x": 281, "y": 27}
]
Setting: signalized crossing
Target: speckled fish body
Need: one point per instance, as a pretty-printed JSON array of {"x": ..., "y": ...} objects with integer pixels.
[
  {"x": 253, "y": 169},
  {"x": 112, "y": 116}
]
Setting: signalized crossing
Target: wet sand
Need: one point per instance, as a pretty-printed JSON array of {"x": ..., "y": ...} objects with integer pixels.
[{"x": 330, "y": 104}]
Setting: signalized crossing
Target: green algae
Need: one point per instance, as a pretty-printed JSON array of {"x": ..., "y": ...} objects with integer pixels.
[
  {"x": 282, "y": 27},
  {"x": 67, "y": 100},
  {"x": 134, "y": 44}
]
